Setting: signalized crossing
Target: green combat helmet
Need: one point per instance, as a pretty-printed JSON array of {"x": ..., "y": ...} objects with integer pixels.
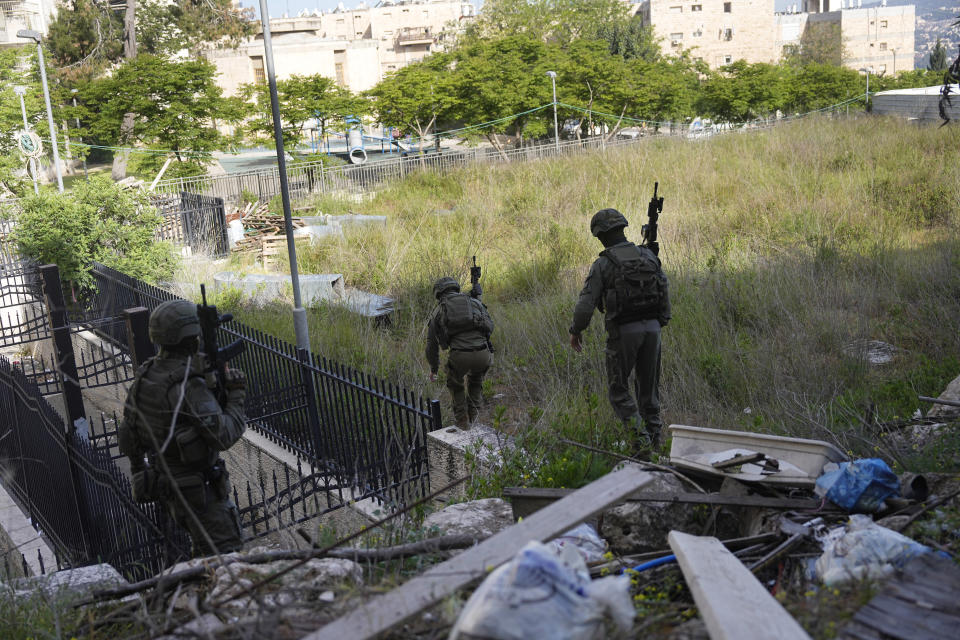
[
  {"x": 443, "y": 285},
  {"x": 173, "y": 321},
  {"x": 607, "y": 220}
]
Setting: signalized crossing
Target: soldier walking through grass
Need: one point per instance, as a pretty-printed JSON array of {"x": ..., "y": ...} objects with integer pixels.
[
  {"x": 174, "y": 428},
  {"x": 462, "y": 324},
  {"x": 627, "y": 284}
]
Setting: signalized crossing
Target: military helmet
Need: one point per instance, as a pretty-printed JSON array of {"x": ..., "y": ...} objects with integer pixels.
[
  {"x": 443, "y": 285},
  {"x": 173, "y": 321},
  {"x": 607, "y": 220}
]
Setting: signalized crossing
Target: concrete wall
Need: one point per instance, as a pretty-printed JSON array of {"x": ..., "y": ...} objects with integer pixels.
[{"x": 879, "y": 37}]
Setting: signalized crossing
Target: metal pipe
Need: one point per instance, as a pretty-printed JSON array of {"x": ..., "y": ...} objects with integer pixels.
[{"x": 556, "y": 130}]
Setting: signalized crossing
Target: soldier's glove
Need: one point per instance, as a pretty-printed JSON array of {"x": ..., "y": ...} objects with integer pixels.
[{"x": 235, "y": 382}]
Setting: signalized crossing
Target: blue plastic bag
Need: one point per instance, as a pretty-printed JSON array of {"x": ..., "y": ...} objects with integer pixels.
[{"x": 858, "y": 486}]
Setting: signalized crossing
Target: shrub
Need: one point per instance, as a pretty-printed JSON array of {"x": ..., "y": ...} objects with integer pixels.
[{"x": 97, "y": 220}]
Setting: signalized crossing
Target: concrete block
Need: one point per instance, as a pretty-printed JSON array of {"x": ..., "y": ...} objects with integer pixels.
[{"x": 447, "y": 449}]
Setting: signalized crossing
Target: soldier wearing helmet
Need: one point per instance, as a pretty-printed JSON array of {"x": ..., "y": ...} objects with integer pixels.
[
  {"x": 462, "y": 324},
  {"x": 627, "y": 285},
  {"x": 174, "y": 429}
]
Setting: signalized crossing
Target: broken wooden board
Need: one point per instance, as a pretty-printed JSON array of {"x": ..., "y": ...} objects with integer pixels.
[
  {"x": 731, "y": 601},
  {"x": 389, "y": 610},
  {"x": 921, "y": 602},
  {"x": 526, "y": 501}
]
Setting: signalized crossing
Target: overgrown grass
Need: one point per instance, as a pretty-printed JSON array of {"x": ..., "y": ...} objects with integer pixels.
[{"x": 782, "y": 248}]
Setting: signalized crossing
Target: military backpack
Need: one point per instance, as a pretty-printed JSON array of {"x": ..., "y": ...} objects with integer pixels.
[
  {"x": 638, "y": 284},
  {"x": 461, "y": 313}
]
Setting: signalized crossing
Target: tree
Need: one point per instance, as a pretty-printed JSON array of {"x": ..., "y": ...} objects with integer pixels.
[
  {"x": 938, "y": 57},
  {"x": 417, "y": 96},
  {"x": 743, "y": 91},
  {"x": 557, "y": 21},
  {"x": 820, "y": 43},
  {"x": 816, "y": 85},
  {"x": 96, "y": 220},
  {"x": 630, "y": 39},
  {"x": 174, "y": 106},
  {"x": 302, "y": 98}
]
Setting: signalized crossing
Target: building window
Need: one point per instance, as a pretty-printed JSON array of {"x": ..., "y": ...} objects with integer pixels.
[
  {"x": 339, "y": 21},
  {"x": 696, "y": 7},
  {"x": 727, "y": 59},
  {"x": 883, "y": 46},
  {"x": 258, "y": 73},
  {"x": 339, "y": 68},
  {"x": 883, "y": 24},
  {"x": 676, "y": 9},
  {"x": 359, "y": 34},
  {"x": 697, "y": 33},
  {"x": 675, "y": 39},
  {"x": 728, "y": 7},
  {"x": 727, "y": 34}
]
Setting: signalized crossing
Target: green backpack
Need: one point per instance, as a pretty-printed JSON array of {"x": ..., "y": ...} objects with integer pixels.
[
  {"x": 637, "y": 290},
  {"x": 462, "y": 313}
]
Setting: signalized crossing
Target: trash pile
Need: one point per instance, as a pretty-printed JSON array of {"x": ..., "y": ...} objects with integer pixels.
[{"x": 254, "y": 229}]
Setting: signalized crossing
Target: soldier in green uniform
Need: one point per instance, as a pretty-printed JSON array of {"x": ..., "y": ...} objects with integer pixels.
[
  {"x": 627, "y": 284},
  {"x": 172, "y": 412},
  {"x": 462, "y": 324}
]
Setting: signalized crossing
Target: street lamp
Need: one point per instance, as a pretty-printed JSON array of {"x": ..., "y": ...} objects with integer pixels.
[
  {"x": 866, "y": 97},
  {"x": 21, "y": 91},
  {"x": 75, "y": 115},
  {"x": 894, "y": 61},
  {"x": 556, "y": 130},
  {"x": 30, "y": 34}
]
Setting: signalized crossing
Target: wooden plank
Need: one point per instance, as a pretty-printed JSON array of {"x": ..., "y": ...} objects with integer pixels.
[
  {"x": 385, "y": 612},
  {"x": 515, "y": 493},
  {"x": 732, "y": 602},
  {"x": 739, "y": 460}
]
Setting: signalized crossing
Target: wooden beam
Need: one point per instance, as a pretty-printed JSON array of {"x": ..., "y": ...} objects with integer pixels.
[
  {"x": 732, "y": 602},
  {"x": 383, "y": 613}
]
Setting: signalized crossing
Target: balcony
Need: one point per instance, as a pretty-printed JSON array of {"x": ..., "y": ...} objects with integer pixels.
[{"x": 411, "y": 36}]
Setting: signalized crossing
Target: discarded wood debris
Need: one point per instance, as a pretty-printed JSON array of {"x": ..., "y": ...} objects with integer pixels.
[
  {"x": 385, "y": 612},
  {"x": 731, "y": 601}
]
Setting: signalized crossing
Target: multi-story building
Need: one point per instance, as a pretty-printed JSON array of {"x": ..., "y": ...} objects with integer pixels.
[
  {"x": 719, "y": 32},
  {"x": 14, "y": 16},
  {"x": 356, "y": 47}
]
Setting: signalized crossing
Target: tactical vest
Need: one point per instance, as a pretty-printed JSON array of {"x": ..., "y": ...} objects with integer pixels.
[
  {"x": 153, "y": 410},
  {"x": 461, "y": 313},
  {"x": 637, "y": 291}
]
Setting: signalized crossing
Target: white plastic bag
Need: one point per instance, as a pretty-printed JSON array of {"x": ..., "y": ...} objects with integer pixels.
[
  {"x": 546, "y": 594},
  {"x": 863, "y": 549},
  {"x": 583, "y": 538}
]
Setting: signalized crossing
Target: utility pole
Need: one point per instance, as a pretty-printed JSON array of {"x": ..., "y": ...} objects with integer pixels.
[{"x": 556, "y": 130}]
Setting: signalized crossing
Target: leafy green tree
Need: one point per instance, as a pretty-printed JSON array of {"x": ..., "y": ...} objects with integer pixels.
[
  {"x": 174, "y": 104},
  {"x": 817, "y": 85},
  {"x": 96, "y": 220},
  {"x": 557, "y": 21},
  {"x": 743, "y": 91},
  {"x": 938, "y": 57},
  {"x": 630, "y": 39},
  {"x": 820, "y": 43},
  {"x": 417, "y": 96},
  {"x": 302, "y": 99}
]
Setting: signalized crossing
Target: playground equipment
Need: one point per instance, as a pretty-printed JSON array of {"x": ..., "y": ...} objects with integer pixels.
[{"x": 355, "y": 151}]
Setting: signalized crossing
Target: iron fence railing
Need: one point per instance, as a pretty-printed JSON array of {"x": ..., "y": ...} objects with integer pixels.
[{"x": 193, "y": 220}]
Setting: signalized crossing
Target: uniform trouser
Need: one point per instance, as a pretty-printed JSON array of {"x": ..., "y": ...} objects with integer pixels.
[
  {"x": 472, "y": 365},
  {"x": 635, "y": 348},
  {"x": 214, "y": 510}
]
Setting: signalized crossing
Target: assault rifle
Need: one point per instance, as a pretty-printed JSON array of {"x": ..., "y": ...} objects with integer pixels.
[
  {"x": 475, "y": 289},
  {"x": 649, "y": 230},
  {"x": 217, "y": 358}
]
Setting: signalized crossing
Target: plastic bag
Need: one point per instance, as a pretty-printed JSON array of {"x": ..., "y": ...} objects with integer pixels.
[
  {"x": 863, "y": 549},
  {"x": 861, "y": 485},
  {"x": 584, "y": 539},
  {"x": 545, "y": 593}
]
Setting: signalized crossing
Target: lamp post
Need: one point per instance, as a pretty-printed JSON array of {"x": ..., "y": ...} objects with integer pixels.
[
  {"x": 74, "y": 97},
  {"x": 894, "y": 61},
  {"x": 21, "y": 91},
  {"x": 556, "y": 129},
  {"x": 299, "y": 313},
  {"x": 866, "y": 96},
  {"x": 36, "y": 37}
]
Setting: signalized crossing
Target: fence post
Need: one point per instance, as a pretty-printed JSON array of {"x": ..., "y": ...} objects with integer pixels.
[
  {"x": 138, "y": 337},
  {"x": 66, "y": 364},
  {"x": 313, "y": 412},
  {"x": 435, "y": 415}
]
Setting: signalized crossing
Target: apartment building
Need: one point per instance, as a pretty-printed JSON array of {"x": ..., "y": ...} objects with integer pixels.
[
  {"x": 14, "y": 16},
  {"x": 719, "y": 32},
  {"x": 356, "y": 47}
]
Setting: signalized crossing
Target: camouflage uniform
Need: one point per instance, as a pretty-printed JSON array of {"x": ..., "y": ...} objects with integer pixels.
[
  {"x": 470, "y": 354},
  {"x": 172, "y": 388},
  {"x": 633, "y": 343}
]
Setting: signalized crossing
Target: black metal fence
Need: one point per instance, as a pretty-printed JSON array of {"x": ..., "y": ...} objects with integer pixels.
[
  {"x": 357, "y": 430},
  {"x": 193, "y": 220},
  {"x": 74, "y": 493}
]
